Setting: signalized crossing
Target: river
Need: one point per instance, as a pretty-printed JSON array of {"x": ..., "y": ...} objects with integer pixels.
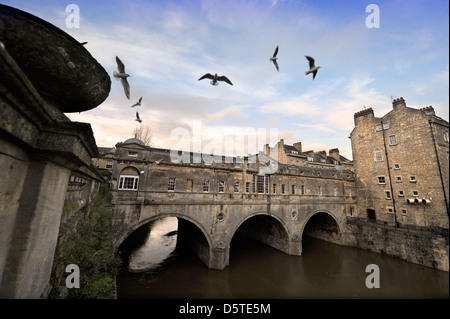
[{"x": 159, "y": 268}]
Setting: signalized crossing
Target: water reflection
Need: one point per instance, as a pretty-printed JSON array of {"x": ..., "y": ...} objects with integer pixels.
[
  {"x": 161, "y": 269},
  {"x": 160, "y": 243}
]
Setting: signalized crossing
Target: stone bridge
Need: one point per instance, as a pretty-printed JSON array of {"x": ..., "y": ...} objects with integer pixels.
[{"x": 207, "y": 222}]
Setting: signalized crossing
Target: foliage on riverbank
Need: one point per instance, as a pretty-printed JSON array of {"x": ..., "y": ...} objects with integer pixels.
[{"x": 90, "y": 248}]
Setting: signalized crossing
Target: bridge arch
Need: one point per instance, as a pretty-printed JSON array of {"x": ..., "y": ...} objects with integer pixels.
[
  {"x": 265, "y": 228},
  {"x": 322, "y": 224},
  {"x": 132, "y": 228}
]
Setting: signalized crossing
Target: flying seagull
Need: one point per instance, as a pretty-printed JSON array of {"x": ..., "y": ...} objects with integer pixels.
[
  {"x": 137, "y": 103},
  {"x": 122, "y": 76},
  {"x": 215, "y": 78},
  {"x": 312, "y": 68},
  {"x": 274, "y": 58},
  {"x": 138, "y": 118}
]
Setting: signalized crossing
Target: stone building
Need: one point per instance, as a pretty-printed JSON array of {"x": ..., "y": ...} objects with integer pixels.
[
  {"x": 139, "y": 167},
  {"x": 401, "y": 166},
  {"x": 294, "y": 155}
]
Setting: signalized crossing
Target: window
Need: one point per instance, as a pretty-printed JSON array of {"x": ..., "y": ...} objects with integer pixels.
[
  {"x": 377, "y": 156},
  {"x": 310, "y": 159},
  {"x": 415, "y": 193},
  {"x": 388, "y": 195},
  {"x": 390, "y": 210},
  {"x": 401, "y": 193},
  {"x": 392, "y": 140},
  {"x": 283, "y": 189},
  {"x": 403, "y": 211},
  {"x": 302, "y": 189},
  {"x": 381, "y": 180},
  {"x": 351, "y": 211},
  {"x": 396, "y": 166},
  {"x": 109, "y": 164},
  {"x": 335, "y": 191},
  {"x": 128, "y": 182},
  {"x": 236, "y": 187},
  {"x": 206, "y": 186},
  {"x": 446, "y": 137},
  {"x": 254, "y": 184},
  {"x": 133, "y": 154},
  {"x": 274, "y": 188},
  {"x": 247, "y": 187},
  {"x": 221, "y": 186},
  {"x": 412, "y": 179},
  {"x": 260, "y": 184},
  {"x": 293, "y": 189},
  {"x": 267, "y": 184},
  {"x": 398, "y": 179},
  {"x": 384, "y": 126},
  {"x": 171, "y": 186},
  {"x": 350, "y": 192},
  {"x": 320, "y": 190}
]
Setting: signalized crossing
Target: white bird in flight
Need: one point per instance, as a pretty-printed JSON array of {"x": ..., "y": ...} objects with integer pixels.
[
  {"x": 122, "y": 76},
  {"x": 312, "y": 68},
  {"x": 138, "y": 118},
  {"x": 274, "y": 58},
  {"x": 215, "y": 78},
  {"x": 137, "y": 103}
]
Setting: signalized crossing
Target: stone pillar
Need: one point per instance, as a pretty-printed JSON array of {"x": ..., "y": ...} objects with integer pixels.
[
  {"x": 219, "y": 257},
  {"x": 39, "y": 146},
  {"x": 35, "y": 227}
]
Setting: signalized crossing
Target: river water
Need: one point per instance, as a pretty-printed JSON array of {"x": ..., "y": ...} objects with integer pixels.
[{"x": 159, "y": 268}]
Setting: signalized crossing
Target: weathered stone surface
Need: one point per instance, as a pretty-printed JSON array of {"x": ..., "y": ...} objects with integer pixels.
[{"x": 60, "y": 68}]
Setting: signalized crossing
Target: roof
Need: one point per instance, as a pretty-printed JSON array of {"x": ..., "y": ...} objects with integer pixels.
[{"x": 134, "y": 140}]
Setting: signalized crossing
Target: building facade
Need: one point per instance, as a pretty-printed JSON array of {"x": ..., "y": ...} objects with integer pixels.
[
  {"x": 401, "y": 166},
  {"x": 294, "y": 155}
]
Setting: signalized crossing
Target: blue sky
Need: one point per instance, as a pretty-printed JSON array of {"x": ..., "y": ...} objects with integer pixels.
[{"x": 167, "y": 45}]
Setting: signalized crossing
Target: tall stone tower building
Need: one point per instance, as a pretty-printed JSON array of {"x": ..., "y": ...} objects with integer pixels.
[{"x": 401, "y": 161}]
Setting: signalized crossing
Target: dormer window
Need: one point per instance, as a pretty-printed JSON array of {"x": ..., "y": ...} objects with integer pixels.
[{"x": 294, "y": 152}]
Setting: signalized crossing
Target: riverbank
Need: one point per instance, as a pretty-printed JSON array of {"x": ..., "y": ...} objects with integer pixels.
[{"x": 89, "y": 247}]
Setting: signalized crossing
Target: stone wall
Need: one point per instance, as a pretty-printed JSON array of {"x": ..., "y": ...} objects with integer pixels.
[
  {"x": 46, "y": 174},
  {"x": 420, "y": 246}
]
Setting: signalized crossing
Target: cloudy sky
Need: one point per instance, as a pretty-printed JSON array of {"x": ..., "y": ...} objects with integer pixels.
[{"x": 167, "y": 45}]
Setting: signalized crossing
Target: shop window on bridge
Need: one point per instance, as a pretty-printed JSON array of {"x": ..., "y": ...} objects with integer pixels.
[
  {"x": 129, "y": 179},
  {"x": 236, "y": 187},
  {"x": 171, "y": 186},
  {"x": 206, "y": 186},
  {"x": 128, "y": 182},
  {"x": 221, "y": 186}
]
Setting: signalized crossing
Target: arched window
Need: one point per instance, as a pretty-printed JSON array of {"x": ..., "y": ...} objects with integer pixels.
[
  {"x": 377, "y": 155},
  {"x": 129, "y": 179}
]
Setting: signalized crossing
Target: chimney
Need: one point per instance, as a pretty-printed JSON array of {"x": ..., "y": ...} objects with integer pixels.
[
  {"x": 366, "y": 113},
  {"x": 398, "y": 103},
  {"x": 428, "y": 110},
  {"x": 334, "y": 153},
  {"x": 298, "y": 146},
  {"x": 267, "y": 149}
]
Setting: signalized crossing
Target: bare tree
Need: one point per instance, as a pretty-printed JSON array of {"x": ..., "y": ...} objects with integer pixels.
[{"x": 144, "y": 133}]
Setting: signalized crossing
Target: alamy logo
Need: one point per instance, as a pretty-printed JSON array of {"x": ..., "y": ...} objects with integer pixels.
[
  {"x": 373, "y": 19},
  {"x": 73, "y": 280},
  {"x": 373, "y": 280},
  {"x": 73, "y": 19}
]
